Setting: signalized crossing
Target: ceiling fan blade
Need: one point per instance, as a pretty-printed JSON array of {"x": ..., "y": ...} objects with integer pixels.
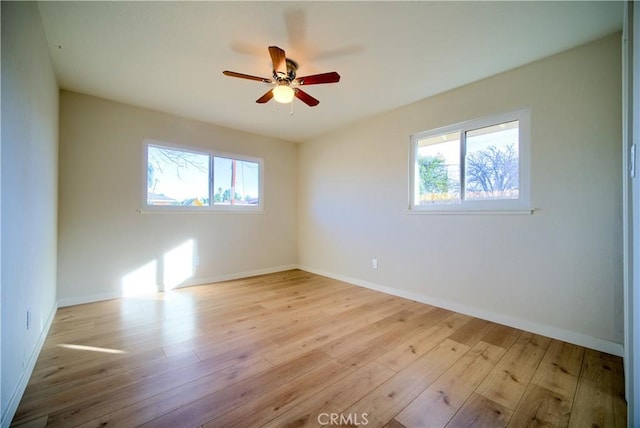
[
  {"x": 317, "y": 79},
  {"x": 279, "y": 59},
  {"x": 296, "y": 23},
  {"x": 266, "y": 97},
  {"x": 306, "y": 98},
  {"x": 246, "y": 76}
]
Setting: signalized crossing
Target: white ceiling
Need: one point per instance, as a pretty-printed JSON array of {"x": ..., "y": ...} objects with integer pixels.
[{"x": 169, "y": 56}]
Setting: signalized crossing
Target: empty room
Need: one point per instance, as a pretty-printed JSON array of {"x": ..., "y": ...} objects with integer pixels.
[{"x": 286, "y": 214}]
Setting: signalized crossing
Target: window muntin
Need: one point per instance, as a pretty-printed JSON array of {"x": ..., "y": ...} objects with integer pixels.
[
  {"x": 178, "y": 177},
  {"x": 482, "y": 164}
]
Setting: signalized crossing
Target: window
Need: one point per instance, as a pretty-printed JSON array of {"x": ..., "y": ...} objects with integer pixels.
[
  {"x": 481, "y": 165},
  {"x": 190, "y": 179}
]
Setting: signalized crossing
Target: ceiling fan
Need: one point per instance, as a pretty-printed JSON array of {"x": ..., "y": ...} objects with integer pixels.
[{"x": 285, "y": 80}]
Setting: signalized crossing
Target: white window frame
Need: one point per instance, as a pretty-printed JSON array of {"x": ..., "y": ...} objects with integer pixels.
[
  {"x": 521, "y": 205},
  {"x": 212, "y": 208}
]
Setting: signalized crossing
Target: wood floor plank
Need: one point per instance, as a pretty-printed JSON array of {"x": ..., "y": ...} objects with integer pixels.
[
  {"x": 386, "y": 401},
  {"x": 508, "y": 380},
  {"x": 334, "y": 328},
  {"x": 541, "y": 407},
  {"x": 165, "y": 402},
  {"x": 334, "y": 399},
  {"x": 414, "y": 348},
  {"x": 67, "y": 373},
  {"x": 367, "y": 346},
  {"x": 479, "y": 412},
  {"x": 600, "y": 393},
  {"x": 349, "y": 342},
  {"x": 208, "y": 408},
  {"x": 358, "y": 301},
  {"x": 200, "y": 356},
  {"x": 124, "y": 395},
  {"x": 473, "y": 332},
  {"x": 57, "y": 398},
  {"x": 40, "y": 422},
  {"x": 247, "y": 345},
  {"x": 138, "y": 329},
  {"x": 218, "y": 332},
  {"x": 441, "y": 400},
  {"x": 502, "y": 335},
  {"x": 269, "y": 406},
  {"x": 559, "y": 369},
  {"x": 334, "y": 295},
  {"x": 369, "y": 314},
  {"x": 451, "y": 320},
  {"x": 394, "y": 424}
]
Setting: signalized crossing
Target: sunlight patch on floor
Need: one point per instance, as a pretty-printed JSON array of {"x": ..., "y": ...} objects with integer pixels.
[{"x": 92, "y": 349}]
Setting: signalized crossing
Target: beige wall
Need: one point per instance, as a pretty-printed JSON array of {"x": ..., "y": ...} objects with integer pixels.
[
  {"x": 29, "y": 197},
  {"x": 557, "y": 271},
  {"x": 103, "y": 238}
]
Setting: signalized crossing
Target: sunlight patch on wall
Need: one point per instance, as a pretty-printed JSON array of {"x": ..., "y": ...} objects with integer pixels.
[
  {"x": 141, "y": 281},
  {"x": 178, "y": 265},
  {"x": 162, "y": 274}
]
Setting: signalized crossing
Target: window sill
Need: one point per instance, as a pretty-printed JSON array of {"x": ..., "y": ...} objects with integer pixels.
[
  {"x": 528, "y": 211},
  {"x": 196, "y": 211}
]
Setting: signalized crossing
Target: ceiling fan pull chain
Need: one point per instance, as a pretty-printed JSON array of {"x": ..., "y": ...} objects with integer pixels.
[{"x": 291, "y": 112}]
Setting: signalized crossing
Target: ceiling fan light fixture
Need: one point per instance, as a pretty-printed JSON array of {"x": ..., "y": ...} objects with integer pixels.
[{"x": 283, "y": 94}]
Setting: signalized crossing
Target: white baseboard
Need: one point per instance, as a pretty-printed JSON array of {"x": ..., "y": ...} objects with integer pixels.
[
  {"x": 14, "y": 401},
  {"x": 238, "y": 275},
  {"x": 530, "y": 326},
  {"x": 92, "y": 298}
]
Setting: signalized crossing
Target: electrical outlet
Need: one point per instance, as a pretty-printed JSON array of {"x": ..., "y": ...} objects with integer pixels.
[{"x": 374, "y": 263}]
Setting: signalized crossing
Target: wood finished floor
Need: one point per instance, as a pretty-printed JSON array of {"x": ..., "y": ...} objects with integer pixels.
[{"x": 295, "y": 349}]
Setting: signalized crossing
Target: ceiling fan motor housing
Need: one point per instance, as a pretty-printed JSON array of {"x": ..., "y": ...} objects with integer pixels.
[{"x": 287, "y": 78}]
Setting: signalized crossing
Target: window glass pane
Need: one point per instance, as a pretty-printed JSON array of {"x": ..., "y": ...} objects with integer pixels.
[
  {"x": 492, "y": 162},
  {"x": 177, "y": 177},
  {"x": 438, "y": 169},
  {"x": 236, "y": 182}
]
